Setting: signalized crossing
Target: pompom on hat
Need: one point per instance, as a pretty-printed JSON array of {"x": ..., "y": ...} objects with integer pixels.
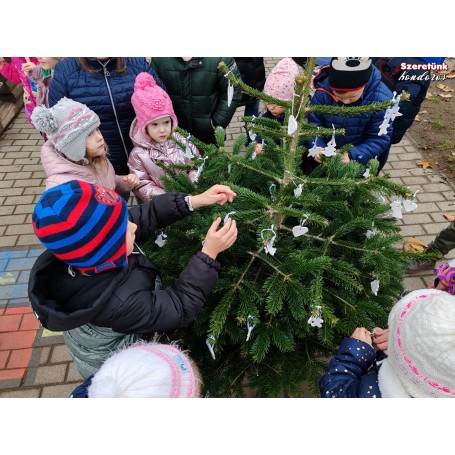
[
  {"x": 151, "y": 102},
  {"x": 280, "y": 81},
  {"x": 348, "y": 74},
  {"x": 84, "y": 225},
  {"x": 146, "y": 370},
  {"x": 67, "y": 126},
  {"x": 421, "y": 347}
]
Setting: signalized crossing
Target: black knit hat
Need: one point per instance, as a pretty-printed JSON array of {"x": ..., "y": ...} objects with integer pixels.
[{"x": 347, "y": 74}]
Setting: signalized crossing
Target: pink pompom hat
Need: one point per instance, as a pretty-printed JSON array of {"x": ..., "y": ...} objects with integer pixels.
[{"x": 151, "y": 102}]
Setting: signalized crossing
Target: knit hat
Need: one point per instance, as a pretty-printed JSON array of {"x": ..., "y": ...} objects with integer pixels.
[
  {"x": 347, "y": 74},
  {"x": 151, "y": 102},
  {"x": 67, "y": 125},
  {"x": 280, "y": 81},
  {"x": 445, "y": 274},
  {"x": 421, "y": 346},
  {"x": 145, "y": 370},
  {"x": 84, "y": 225}
]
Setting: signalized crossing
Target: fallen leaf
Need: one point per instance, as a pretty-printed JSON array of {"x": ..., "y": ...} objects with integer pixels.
[
  {"x": 447, "y": 89},
  {"x": 429, "y": 95},
  {"x": 425, "y": 164},
  {"x": 448, "y": 74},
  {"x": 417, "y": 118},
  {"x": 445, "y": 96},
  {"x": 440, "y": 86},
  {"x": 423, "y": 112},
  {"x": 449, "y": 216},
  {"x": 413, "y": 244}
]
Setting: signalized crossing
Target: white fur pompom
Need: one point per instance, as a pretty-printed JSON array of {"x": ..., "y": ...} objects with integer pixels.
[
  {"x": 105, "y": 387},
  {"x": 43, "y": 119}
]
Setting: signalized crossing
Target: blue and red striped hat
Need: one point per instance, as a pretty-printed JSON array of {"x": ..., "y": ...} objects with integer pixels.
[{"x": 84, "y": 225}]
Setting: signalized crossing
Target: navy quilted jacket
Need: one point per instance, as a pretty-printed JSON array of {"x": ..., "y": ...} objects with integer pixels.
[
  {"x": 92, "y": 89},
  {"x": 352, "y": 372},
  {"x": 361, "y": 130}
]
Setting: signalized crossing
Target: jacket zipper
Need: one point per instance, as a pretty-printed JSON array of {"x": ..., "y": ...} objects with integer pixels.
[{"x": 106, "y": 74}]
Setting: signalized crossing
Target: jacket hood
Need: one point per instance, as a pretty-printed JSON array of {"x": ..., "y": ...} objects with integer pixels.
[
  {"x": 53, "y": 162},
  {"x": 55, "y": 295}
]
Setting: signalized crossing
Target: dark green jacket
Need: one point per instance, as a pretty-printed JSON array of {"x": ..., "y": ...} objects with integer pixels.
[{"x": 198, "y": 91}]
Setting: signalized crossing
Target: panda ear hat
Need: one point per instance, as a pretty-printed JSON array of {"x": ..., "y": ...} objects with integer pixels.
[{"x": 347, "y": 74}]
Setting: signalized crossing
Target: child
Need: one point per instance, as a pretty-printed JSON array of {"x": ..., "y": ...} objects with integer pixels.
[
  {"x": 420, "y": 352},
  {"x": 42, "y": 75},
  {"x": 144, "y": 370},
  {"x": 150, "y": 133},
  {"x": 75, "y": 149},
  {"x": 95, "y": 284},
  {"x": 280, "y": 85},
  {"x": 17, "y": 72},
  {"x": 351, "y": 81}
]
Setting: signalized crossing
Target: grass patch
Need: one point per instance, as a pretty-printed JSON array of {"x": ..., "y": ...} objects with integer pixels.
[
  {"x": 433, "y": 99},
  {"x": 437, "y": 124},
  {"x": 447, "y": 144}
]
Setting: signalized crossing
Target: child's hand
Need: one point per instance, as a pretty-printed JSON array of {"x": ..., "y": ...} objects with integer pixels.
[
  {"x": 381, "y": 339},
  {"x": 131, "y": 180},
  {"x": 26, "y": 67},
  {"x": 258, "y": 149},
  {"x": 345, "y": 158},
  {"x": 217, "y": 194},
  {"x": 362, "y": 334},
  {"x": 218, "y": 241},
  {"x": 318, "y": 157}
]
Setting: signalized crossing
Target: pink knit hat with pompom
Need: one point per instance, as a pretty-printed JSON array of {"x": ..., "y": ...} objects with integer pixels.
[
  {"x": 280, "y": 81},
  {"x": 151, "y": 102}
]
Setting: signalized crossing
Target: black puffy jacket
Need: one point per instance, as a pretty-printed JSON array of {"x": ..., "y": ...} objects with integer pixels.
[
  {"x": 252, "y": 70},
  {"x": 124, "y": 299}
]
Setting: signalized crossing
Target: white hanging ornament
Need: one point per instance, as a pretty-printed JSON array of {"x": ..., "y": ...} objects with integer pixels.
[
  {"x": 210, "y": 342},
  {"x": 227, "y": 217},
  {"x": 229, "y": 168},
  {"x": 250, "y": 326},
  {"x": 252, "y": 135},
  {"x": 188, "y": 152},
  {"x": 315, "y": 319},
  {"x": 383, "y": 127},
  {"x": 366, "y": 174},
  {"x": 331, "y": 145},
  {"x": 375, "y": 287},
  {"x": 379, "y": 196},
  {"x": 230, "y": 93},
  {"x": 313, "y": 151},
  {"x": 409, "y": 204},
  {"x": 298, "y": 190},
  {"x": 253, "y": 155},
  {"x": 268, "y": 247},
  {"x": 396, "y": 209},
  {"x": 161, "y": 239},
  {"x": 199, "y": 170},
  {"x": 292, "y": 125},
  {"x": 299, "y": 230}
]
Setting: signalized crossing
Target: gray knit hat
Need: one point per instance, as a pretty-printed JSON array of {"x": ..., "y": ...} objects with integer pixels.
[{"x": 67, "y": 125}]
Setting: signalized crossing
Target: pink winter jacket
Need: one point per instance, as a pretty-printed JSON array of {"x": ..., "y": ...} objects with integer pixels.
[
  {"x": 145, "y": 154},
  {"x": 59, "y": 170},
  {"x": 13, "y": 72}
]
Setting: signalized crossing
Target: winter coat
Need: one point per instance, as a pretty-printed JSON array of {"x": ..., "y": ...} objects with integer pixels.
[
  {"x": 124, "y": 299},
  {"x": 361, "y": 130},
  {"x": 60, "y": 170},
  {"x": 198, "y": 91},
  {"x": 252, "y": 71},
  {"x": 145, "y": 155},
  {"x": 352, "y": 372},
  {"x": 13, "y": 72},
  {"x": 108, "y": 94},
  {"x": 390, "y": 68}
]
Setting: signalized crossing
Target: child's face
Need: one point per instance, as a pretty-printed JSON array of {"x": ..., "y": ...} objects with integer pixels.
[
  {"x": 275, "y": 110},
  {"x": 130, "y": 237},
  {"x": 95, "y": 145},
  {"x": 349, "y": 97},
  {"x": 159, "y": 130},
  {"x": 48, "y": 63}
]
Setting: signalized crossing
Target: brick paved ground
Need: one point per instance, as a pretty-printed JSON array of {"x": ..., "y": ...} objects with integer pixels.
[{"x": 35, "y": 362}]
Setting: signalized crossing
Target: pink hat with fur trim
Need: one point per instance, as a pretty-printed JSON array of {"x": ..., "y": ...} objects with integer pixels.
[
  {"x": 280, "y": 81},
  {"x": 151, "y": 102}
]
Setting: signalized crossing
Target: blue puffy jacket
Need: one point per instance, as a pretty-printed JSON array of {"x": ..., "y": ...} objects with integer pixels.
[
  {"x": 361, "y": 130},
  {"x": 108, "y": 94}
]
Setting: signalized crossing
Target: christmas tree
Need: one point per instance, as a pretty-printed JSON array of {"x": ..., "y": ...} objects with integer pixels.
[{"x": 316, "y": 256}]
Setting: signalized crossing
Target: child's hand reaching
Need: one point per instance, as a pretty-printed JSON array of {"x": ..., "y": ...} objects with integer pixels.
[
  {"x": 218, "y": 241},
  {"x": 345, "y": 158},
  {"x": 381, "y": 338},
  {"x": 26, "y": 67},
  {"x": 362, "y": 334},
  {"x": 217, "y": 194},
  {"x": 258, "y": 149},
  {"x": 131, "y": 180}
]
